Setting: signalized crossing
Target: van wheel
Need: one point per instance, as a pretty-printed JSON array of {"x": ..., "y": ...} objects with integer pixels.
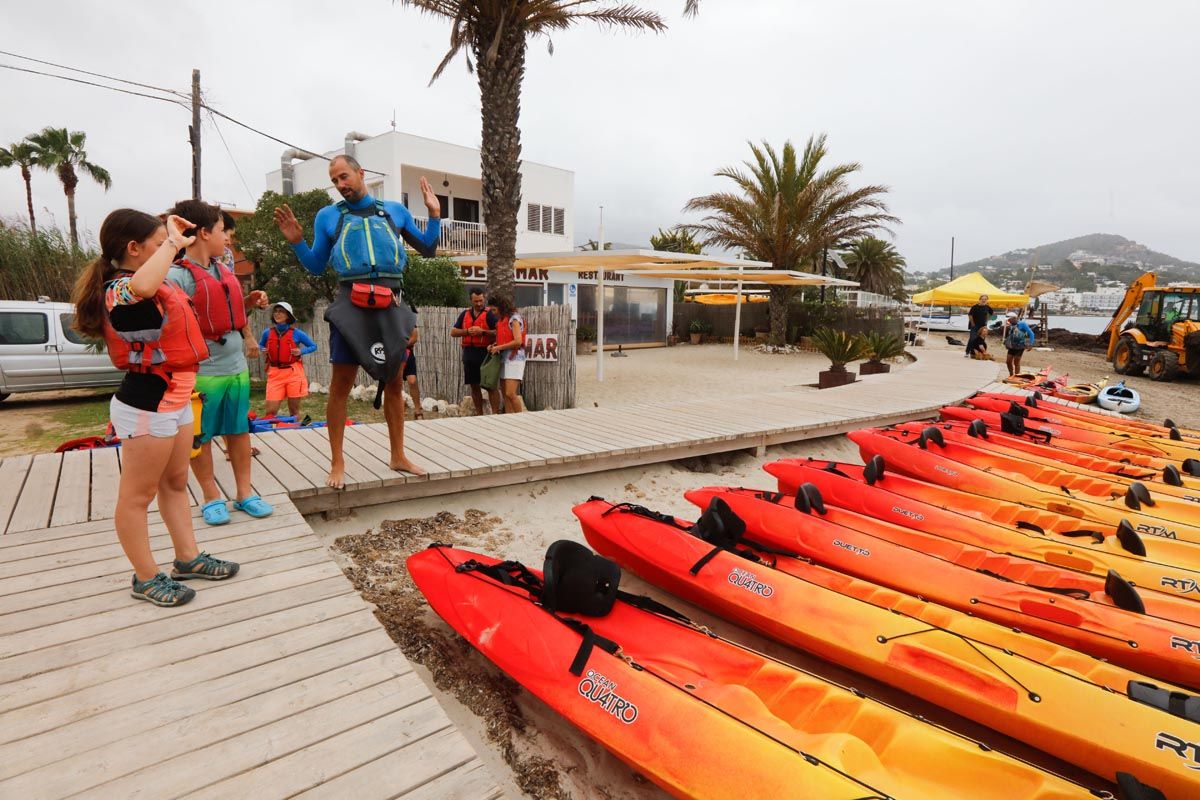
[{"x": 1127, "y": 358}]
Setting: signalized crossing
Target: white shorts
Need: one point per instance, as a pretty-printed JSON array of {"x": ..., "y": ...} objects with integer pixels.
[
  {"x": 129, "y": 422},
  {"x": 512, "y": 370}
]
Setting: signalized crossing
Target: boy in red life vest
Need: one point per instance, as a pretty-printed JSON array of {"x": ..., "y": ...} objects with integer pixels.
[
  {"x": 282, "y": 345},
  {"x": 476, "y": 327}
]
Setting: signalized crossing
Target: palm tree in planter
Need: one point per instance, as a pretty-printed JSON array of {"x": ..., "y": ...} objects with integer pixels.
[
  {"x": 879, "y": 347},
  {"x": 840, "y": 348},
  {"x": 62, "y": 151},
  {"x": 788, "y": 209}
]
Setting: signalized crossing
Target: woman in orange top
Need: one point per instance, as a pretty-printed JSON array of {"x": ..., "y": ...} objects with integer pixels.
[{"x": 151, "y": 332}]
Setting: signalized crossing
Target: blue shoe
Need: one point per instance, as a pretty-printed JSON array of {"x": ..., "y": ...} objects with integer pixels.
[
  {"x": 215, "y": 512},
  {"x": 253, "y": 505}
]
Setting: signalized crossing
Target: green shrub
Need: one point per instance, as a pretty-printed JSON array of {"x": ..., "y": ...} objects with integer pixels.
[
  {"x": 433, "y": 282},
  {"x": 881, "y": 346},
  {"x": 33, "y": 265},
  {"x": 839, "y": 347},
  {"x": 585, "y": 333}
]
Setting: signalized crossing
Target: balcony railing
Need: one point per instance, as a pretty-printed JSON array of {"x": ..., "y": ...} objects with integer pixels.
[{"x": 459, "y": 238}]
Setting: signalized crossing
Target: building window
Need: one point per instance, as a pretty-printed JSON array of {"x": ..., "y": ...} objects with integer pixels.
[
  {"x": 547, "y": 219},
  {"x": 404, "y": 199},
  {"x": 466, "y": 210},
  {"x": 443, "y": 205},
  {"x": 375, "y": 190}
]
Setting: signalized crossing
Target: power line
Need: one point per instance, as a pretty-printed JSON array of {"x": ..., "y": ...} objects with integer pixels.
[
  {"x": 93, "y": 74},
  {"x": 93, "y": 83},
  {"x": 233, "y": 160}
]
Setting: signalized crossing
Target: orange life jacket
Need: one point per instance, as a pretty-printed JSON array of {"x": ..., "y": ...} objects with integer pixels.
[
  {"x": 176, "y": 345},
  {"x": 468, "y": 322},
  {"x": 504, "y": 335},
  {"x": 279, "y": 347}
]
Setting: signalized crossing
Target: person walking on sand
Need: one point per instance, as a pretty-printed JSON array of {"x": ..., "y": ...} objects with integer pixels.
[
  {"x": 1018, "y": 337},
  {"x": 224, "y": 378},
  {"x": 152, "y": 333},
  {"x": 977, "y": 320},
  {"x": 510, "y": 344},
  {"x": 359, "y": 238},
  {"x": 283, "y": 345},
  {"x": 476, "y": 327}
]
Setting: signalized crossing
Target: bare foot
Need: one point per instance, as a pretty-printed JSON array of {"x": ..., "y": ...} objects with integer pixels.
[
  {"x": 403, "y": 464},
  {"x": 337, "y": 477}
]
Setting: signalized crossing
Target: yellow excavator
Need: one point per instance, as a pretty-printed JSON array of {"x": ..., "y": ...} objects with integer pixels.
[{"x": 1163, "y": 338}]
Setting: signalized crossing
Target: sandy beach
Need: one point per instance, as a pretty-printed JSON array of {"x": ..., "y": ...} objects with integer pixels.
[{"x": 528, "y": 746}]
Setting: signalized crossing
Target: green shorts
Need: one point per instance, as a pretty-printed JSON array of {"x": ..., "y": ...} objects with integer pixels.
[{"x": 226, "y": 404}]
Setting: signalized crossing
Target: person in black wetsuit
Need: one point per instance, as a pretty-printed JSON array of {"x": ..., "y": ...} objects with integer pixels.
[{"x": 977, "y": 318}]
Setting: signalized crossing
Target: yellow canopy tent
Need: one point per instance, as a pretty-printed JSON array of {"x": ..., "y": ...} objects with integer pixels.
[{"x": 965, "y": 291}]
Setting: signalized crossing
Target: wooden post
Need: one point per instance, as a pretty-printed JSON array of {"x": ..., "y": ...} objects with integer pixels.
[{"x": 194, "y": 134}]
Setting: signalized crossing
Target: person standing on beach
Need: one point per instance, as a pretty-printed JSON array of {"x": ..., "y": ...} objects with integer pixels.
[
  {"x": 360, "y": 238},
  {"x": 476, "y": 327},
  {"x": 977, "y": 319},
  {"x": 283, "y": 345},
  {"x": 224, "y": 378},
  {"x": 510, "y": 344},
  {"x": 1018, "y": 337}
]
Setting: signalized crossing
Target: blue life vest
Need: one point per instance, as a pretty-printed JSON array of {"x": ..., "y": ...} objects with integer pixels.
[{"x": 367, "y": 243}]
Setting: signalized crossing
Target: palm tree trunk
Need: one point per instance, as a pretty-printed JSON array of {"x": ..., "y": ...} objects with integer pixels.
[
  {"x": 780, "y": 299},
  {"x": 29, "y": 197},
  {"x": 71, "y": 217},
  {"x": 500, "y": 155}
]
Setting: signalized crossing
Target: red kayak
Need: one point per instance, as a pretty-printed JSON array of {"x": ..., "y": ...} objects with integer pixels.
[
  {"x": 1133, "y": 640},
  {"x": 878, "y": 493},
  {"x": 1091, "y": 416},
  {"x": 699, "y": 715}
]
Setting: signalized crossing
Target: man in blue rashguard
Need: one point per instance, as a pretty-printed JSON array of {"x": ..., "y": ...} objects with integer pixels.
[{"x": 362, "y": 239}]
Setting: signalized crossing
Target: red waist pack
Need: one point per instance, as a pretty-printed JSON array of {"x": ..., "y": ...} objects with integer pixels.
[{"x": 371, "y": 295}]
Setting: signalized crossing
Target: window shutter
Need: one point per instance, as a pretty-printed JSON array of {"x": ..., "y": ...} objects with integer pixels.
[
  {"x": 559, "y": 220},
  {"x": 535, "y": 217},
  {"x": 547, "y": 219}
]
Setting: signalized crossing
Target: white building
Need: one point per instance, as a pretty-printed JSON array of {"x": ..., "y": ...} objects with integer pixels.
[{"x": 395, "y": 163}]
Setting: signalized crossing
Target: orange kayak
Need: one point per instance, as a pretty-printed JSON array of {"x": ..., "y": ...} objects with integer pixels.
[
  {"x": 1135, "y": 641},
  {"x": 1111, "y": 511},
  {"x": 1083, "y": 440},
  {"x": 881, "y": 494},
  {"x": 975, "y": 668},
  {"x": 1074, "y": 479},
  {"x": 696, "y": 714},
  {"x": 1094, "y": 417}
]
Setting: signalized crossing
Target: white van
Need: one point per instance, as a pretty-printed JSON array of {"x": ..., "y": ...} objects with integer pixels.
[{"x": 39, "y": 351}]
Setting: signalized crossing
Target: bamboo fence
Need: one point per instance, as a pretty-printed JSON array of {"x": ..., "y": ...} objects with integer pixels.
[{"x": 548, "y": 384}]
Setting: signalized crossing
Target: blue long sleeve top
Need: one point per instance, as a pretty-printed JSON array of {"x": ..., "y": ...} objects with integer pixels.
[
  {"x": 307, "y": 345},
  {"x": 316, "y": 258}
]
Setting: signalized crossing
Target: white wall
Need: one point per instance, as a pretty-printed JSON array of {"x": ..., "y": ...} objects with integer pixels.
[{"x": 404, "y": 158}]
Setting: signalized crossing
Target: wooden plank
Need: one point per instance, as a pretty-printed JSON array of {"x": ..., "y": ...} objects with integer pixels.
[
  {"x": 492, "y": 454},
  {"x": 261, "y": 478},
  {"x": 246, "y": 758},
  {"x": 284, "y": 472},
  {"x": 371, "y": 438},
  {"x": 432, "y": 439},
  {"x": 365, "y": 741},
  {"x": 368, "y": 459},
  {"x": 106, "y": 481},
  {"x": 74, "y": 489},
  {"x": 48, "y": 685},
  {"x": 223, "y": 469},
  {"x": 400, "y": 771},
  {"x": 356, "y": 475},
  {"x": 468, "y": 781},
  {"x": 14, "y": 471},
  {"x": 300, "y": 460},
  {"x": 505, "y": 441},
  {"x": 41, "y": 758},
  {"x": 37, "y": 499},
  {"x": 542, "y": 439}
]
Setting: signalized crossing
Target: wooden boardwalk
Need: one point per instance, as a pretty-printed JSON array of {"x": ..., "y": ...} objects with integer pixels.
[{"x": 285, "y": 684}]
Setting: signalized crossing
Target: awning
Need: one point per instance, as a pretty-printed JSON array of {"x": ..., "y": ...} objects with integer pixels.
[
  {"x": 632, "y": 260},
  {"x": 965, "y": 291},
  {"x": 770, "y": 277}
]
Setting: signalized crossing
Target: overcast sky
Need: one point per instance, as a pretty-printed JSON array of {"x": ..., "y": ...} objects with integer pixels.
[{"x": 1005, "y": 123}]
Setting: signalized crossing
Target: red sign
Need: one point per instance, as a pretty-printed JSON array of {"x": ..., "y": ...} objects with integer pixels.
[{"x": 541, "y": 347}]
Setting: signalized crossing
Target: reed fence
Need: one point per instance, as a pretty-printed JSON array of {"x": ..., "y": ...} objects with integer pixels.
[{"x": 548, "y": 384}]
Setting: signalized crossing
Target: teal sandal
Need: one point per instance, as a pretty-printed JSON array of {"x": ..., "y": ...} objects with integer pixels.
[
  {"x": 215, "y": 512},
  {"x": 162, "y": 591},
  {"x": 204, "y": 566},
  {"x": 254, "y": 505}
]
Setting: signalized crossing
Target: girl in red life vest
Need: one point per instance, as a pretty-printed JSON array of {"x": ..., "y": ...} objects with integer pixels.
[
  {"x": 510, "y": 344},
  {"x": 282, "y": 345},
  {"x": 152, "y": 333}
]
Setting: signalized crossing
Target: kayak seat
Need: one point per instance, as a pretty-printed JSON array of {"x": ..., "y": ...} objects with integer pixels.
[
  {"x": 1123, "y": 594},
  {"x": 874, "y": 470},
  {"x": 1174, "y": 702},
  {"x": 577, "y": 581}
]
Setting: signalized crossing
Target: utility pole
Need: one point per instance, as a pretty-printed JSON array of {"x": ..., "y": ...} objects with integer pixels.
[
  {"x": 194, "y": 134},
  {"x": 951, "y": 258},
  {"x": 824, "y": 269}
]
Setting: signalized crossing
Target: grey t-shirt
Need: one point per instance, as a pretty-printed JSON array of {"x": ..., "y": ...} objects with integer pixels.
[{"x": 223, "y": 359}]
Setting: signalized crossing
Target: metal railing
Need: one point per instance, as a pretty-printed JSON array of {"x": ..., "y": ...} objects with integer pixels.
[{"x": 459, "y": 238}]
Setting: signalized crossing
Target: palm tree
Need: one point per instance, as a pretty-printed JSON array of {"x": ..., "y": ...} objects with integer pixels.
[
  {"x": 876, "y": 266},
  {"x": 23, "y": 155},
  {"x": 676, "y": 240},
  {"x": 788, "y": 210},
  {"x": 63, "y": 151},
  {"x": 495, "y": 35}
]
